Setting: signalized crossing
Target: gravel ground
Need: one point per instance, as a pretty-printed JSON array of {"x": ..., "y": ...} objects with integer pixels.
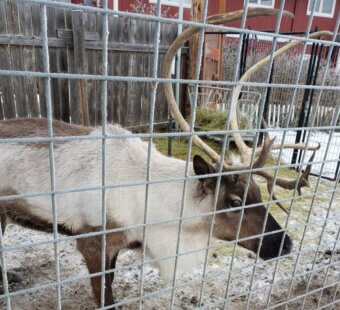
[{"x": 35, "y": 265}]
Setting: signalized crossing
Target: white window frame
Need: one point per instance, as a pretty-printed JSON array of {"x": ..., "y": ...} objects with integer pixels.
[
  {"x": 258, "y": 4},
  {"x": 115, "y": 4},
  {"x": 320, "y": 14},
  {"x": 171, "y": 3}
]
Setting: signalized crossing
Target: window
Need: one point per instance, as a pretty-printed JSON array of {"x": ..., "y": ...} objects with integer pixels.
[
  {"x": 323, "y": 8},
  {"x": 266, "y": 3},
  {"x": 186, "y": 3},
  {"x": 111, "y": 4}
]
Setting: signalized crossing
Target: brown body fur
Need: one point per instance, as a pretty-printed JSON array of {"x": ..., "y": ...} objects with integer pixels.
[
  {"x": 37, "y": 127},
  {"x": 17, "y": 211},
  {"x": 226, "y": 226}
]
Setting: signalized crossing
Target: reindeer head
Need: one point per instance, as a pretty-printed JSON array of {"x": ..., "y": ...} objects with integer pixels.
[
  {"x": 230, "y": 196},
  {"x": 233, "y": 186}
]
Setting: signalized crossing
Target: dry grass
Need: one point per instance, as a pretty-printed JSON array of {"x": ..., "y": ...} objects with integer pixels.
[{"x": 207, "y": 119}]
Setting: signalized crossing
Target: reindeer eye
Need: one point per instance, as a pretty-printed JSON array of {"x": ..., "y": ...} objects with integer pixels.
[{"x": 235, "y": 203}]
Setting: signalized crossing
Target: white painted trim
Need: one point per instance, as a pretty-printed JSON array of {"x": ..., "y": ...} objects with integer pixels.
[
  {"x": 262, "y": 5},
  {"x": 319, "y": 14},
  {"x": 115, "y": 5},
  {"x": 171, "y": 3}
]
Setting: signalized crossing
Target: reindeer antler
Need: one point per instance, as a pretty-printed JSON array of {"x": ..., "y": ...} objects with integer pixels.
[
  {"x": 172, "y": 51},
  {"x": 263, "y": 152},
  {"x": 284, "y": 183},
  {"x": 287, "y": 184},
  {"x": 244, "y": 150}
]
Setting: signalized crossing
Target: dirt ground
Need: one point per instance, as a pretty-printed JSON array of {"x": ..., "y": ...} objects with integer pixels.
[{"x": 35, "y": 265}]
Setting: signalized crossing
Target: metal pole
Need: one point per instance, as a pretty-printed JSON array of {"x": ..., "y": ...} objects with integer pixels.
[
  {"x": 304, "y": 101},
  {"x": 266, "y": 103},
  {"x": 312, "y": 92}
]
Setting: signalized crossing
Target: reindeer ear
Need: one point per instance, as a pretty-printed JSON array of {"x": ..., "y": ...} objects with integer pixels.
[{"x": 201, "y": 166}]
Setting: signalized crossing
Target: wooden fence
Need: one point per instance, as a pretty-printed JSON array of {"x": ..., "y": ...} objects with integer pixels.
[{"x": 75, "y": 46}]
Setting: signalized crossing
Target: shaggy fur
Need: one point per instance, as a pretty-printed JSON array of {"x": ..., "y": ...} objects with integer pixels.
[{"x": 25, "y": 168}]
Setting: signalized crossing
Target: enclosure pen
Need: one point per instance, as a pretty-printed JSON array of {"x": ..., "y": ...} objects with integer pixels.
[{"x": 206, "y": 237}]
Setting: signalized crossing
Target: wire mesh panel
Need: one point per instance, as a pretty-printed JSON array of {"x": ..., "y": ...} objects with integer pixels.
[{"x": 224, "y": 224}]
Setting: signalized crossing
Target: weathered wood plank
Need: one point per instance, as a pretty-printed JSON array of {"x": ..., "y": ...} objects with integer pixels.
[
  {"x": 73, "y": 84},
  {"x": 92, "y": 45},
  {"x": 62, "y": 111},
  {"x": 98, "y": 88},
  {"x": 16, "y": 58},
  {"x": 142, "y": 39},
  {"x": 6, "y": 84},
  {"x": 139, "y": 39},
  {"x": 92, "y": 69},
  {"x": 131, "y": 99},
  {"x": 51, "y": 32},
  {"x": 99, "y": 29},
  {"x": 116, "y": 105},
  {"x": 29, "y": 60},
  {"x": 80, "y": 61},
  {"x": 68, "y": 34},
  {"x": 124, "y": 71},
  {"x": 145, "y": 109},
  {"x": 159, "y": 92},
  {"x": 35, "y": 9},
  {"x": 112, "y": 89}
]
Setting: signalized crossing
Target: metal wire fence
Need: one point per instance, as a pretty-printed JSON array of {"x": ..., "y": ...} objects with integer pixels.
[{"x": 149, "y": 199}]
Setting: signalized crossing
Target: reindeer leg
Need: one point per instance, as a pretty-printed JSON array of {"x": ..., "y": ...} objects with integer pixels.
[
  {"x": 3, "y": 219},
  {"x": 91, "y": 250},
  {"x": 113, "y": 265},
  {"x": 12, "y": 277}
]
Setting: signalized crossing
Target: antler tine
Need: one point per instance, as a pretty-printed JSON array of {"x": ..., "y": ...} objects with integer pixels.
[
  {"x": 172, "y": 51},
  {"x": 298, "y": 146},
  {"x": 306, "y": 173},
  {"x": 288, "y": 184},
  {"x": 265, "y": 150}
]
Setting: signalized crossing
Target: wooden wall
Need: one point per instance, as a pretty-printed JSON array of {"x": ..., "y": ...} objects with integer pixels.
[{"x": 75, "y": 46}]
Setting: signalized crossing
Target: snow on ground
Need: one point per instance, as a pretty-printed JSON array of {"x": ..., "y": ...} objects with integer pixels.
[
  {"x": 35, "y": 265},
  {"x": 322, "y": 137}
]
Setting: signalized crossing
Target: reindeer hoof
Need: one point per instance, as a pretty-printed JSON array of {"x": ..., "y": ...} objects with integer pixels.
[{"x": 12, "y": 278}]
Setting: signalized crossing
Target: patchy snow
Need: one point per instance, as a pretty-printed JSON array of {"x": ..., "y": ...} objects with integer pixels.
[
  {"x": 35, "y": 265},
  {"x": 321, "y": 137}
]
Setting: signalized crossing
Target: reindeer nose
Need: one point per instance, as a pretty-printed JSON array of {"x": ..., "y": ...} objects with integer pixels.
[{"x": 271, "y": 246}]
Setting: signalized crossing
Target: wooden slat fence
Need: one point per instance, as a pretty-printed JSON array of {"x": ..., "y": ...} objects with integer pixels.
[{"x": 75, "y": 46}]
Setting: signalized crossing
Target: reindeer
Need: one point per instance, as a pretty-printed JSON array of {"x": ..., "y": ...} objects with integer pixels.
[{"x": 24, "y": 168}]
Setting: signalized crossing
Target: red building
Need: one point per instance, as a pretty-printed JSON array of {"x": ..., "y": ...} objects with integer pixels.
[{"x": 324, "y": 17}]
